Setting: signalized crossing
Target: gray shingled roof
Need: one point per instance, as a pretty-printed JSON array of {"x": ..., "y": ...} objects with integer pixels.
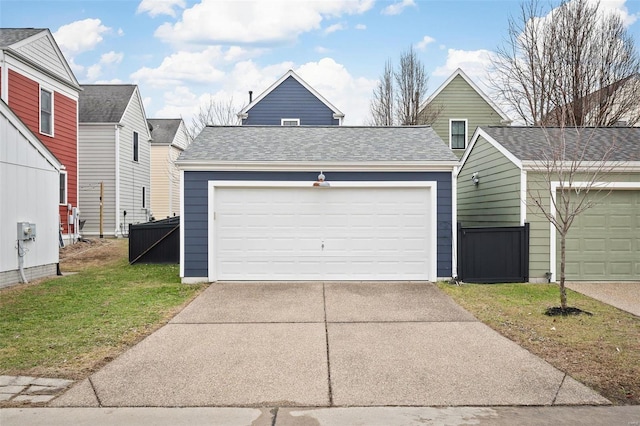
[
  {"x": 531, "y": 143},
  {"x": 10, "y": 36},
  {"x": 104, "y": 103},
  {"x": 317, "y": 143},
  {"x": 163, "y": 130}
]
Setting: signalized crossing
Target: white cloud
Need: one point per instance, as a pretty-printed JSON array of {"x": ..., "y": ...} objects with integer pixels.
[
  {"x": 181, "y": 67},
  {"x": 475, "y": 63},
  {"x": 426, "y": 40},
  {"x": 160, "y": 7},
  {"x": 361, "y": 27},
  {"x": 80, "y": 36},
  {"x": 106, "y": 59},
  {"x": 333, "y": 28},
  {"x": 220, "y": 21},
  {"x": 618, "y": 6},
  {"x": 349, "y": 94},
  {"x": 111, "y": 58},
  {"x": 398, "y": 8}
]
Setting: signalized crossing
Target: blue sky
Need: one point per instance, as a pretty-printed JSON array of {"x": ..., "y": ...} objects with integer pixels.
[{"x": 182, "y": 52}]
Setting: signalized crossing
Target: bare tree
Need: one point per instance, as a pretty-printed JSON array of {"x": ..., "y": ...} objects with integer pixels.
[
  {"x": 411, "y": 80},
  {"x": 400, "y": 92},
  {"x": 214, "y": 112},
  {"x": 568, "y": 71},
  {"x": 576, "y": 66},
  {"x": 571, "y": 166},
  {"x": 382, "y": 104}
]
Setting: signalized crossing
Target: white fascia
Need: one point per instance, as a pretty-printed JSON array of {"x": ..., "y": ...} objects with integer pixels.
[{"x": 285, "y": 166}]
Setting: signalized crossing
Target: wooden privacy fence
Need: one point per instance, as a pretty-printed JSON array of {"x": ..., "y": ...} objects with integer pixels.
[
  {"x": 155, "y": 242},
  {"x": 493, "y": 254}
]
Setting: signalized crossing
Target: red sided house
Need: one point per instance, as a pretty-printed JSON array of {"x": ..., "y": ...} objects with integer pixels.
[{"x": 37, "y": 84}]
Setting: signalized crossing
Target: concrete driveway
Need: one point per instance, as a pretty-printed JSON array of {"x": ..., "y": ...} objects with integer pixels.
[
  {"x": 325, "y": 345},
  {"x": 622, "y": 295}
]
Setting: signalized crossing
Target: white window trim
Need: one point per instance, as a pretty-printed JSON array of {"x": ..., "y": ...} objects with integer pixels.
[
  {"x": 135, "y": 147},
  {"x": 296, "y": 120},
  {"x": 46, "y": 89},
  {"x": 66, "y": 188},
  {"x": 466, "y": 132}
]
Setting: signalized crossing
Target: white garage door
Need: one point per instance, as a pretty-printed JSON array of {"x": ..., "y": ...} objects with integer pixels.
[{"x": 337, "y": 233}]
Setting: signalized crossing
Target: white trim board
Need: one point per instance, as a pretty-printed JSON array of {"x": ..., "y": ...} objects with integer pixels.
[{"x": 432, "y": 185}]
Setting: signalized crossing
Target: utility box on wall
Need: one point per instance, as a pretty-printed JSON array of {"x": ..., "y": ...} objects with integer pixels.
[{"x": 26, "y": 231}]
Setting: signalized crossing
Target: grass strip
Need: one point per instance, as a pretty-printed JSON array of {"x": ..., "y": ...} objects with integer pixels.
[
  {"x": 70, "y": 326},
  {"x": 601, "y": 351}
]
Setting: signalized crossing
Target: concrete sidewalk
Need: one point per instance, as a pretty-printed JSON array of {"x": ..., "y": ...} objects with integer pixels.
[
  {"x": 370, "y": 416},
  {"x": 326, "y": 345},
  {"x": 622, "y": 295}
]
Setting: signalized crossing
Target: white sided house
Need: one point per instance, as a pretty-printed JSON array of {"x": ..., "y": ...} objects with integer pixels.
[
  {"x": 114, "y": 159},
  {"x": 169, "y": 139},
  {"x": 29, "y": 175}
]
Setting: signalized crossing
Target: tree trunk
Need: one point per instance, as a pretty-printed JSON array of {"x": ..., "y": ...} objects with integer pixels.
[{"x": 563, "y": 290}]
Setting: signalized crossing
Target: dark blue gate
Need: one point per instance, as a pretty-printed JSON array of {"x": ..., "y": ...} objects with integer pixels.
[
  {"x": 493, "y": 255},
  {"x": 155, "y": 242}
]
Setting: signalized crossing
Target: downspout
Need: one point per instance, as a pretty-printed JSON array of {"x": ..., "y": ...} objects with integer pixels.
[{"x": 117, "y": 185}]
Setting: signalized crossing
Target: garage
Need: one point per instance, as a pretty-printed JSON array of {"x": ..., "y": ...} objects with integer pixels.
[
  {"x": 253, "y": 208},
  {"x": 603, "y": 243},
  {"x": 348, "y": 231}
]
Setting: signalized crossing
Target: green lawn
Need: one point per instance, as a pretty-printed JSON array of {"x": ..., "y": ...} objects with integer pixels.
[
  {"x": 69, "y": 326},
  {"x": 602, "y": 350}
]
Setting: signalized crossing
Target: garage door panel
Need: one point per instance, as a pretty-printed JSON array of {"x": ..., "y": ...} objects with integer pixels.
[
  {"x": 310, "y": 233},
  {"x": 603, "y": 243}
]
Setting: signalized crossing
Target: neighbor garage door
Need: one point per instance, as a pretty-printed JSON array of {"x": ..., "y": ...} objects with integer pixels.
[
  {"x": 306, "y": 233},
  {"x": 604, "y": 241}
]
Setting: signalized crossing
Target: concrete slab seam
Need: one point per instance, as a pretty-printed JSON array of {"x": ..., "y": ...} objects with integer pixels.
[
  {"x": 553, "y": 402},
  {"x": 95, "y": 392},
  {"x": 326, "y": 337},
  {"x": 274, "y": 418}
]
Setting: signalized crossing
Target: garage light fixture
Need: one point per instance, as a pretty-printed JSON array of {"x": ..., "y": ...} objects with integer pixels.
[
  {"x": 321, "y": 182},
  {"x": 475, "y": 178}
]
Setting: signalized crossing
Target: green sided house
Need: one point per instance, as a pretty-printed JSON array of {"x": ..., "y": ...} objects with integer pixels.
[
  {"x": 457, "y": 108},
  {"x": 503, "y": 167}
]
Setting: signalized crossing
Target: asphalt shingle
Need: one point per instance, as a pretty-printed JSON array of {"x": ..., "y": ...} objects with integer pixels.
[
  {"x": 163, "y": 130},
  {"x": 10, "y": 36},
  {"x": 104, "y": 103},
  {"x": 589, "y": 143},
  {"x": 317, "y": 143}
]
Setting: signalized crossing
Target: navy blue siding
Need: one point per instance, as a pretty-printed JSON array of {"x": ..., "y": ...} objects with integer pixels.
[
  {"x": 290, "y": 100},
  {"x": 196, "y": 206}
]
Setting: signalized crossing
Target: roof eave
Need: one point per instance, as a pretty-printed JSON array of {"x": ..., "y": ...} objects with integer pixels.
[
  {"x": 588, "y": 166},
  {"x": 16, "y": 55},
  {"x": 293, "y": 166}
]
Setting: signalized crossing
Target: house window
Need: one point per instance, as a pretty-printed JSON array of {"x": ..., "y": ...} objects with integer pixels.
[
  {"x": 144, "y": 197},
  {"x": 290, "y": 122},
  {"x": 458, "y": 132},
  {"x": 135, "y": 146},
  {"x": 63, "y": 188},
  {"x": 46, "y": 112}
]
